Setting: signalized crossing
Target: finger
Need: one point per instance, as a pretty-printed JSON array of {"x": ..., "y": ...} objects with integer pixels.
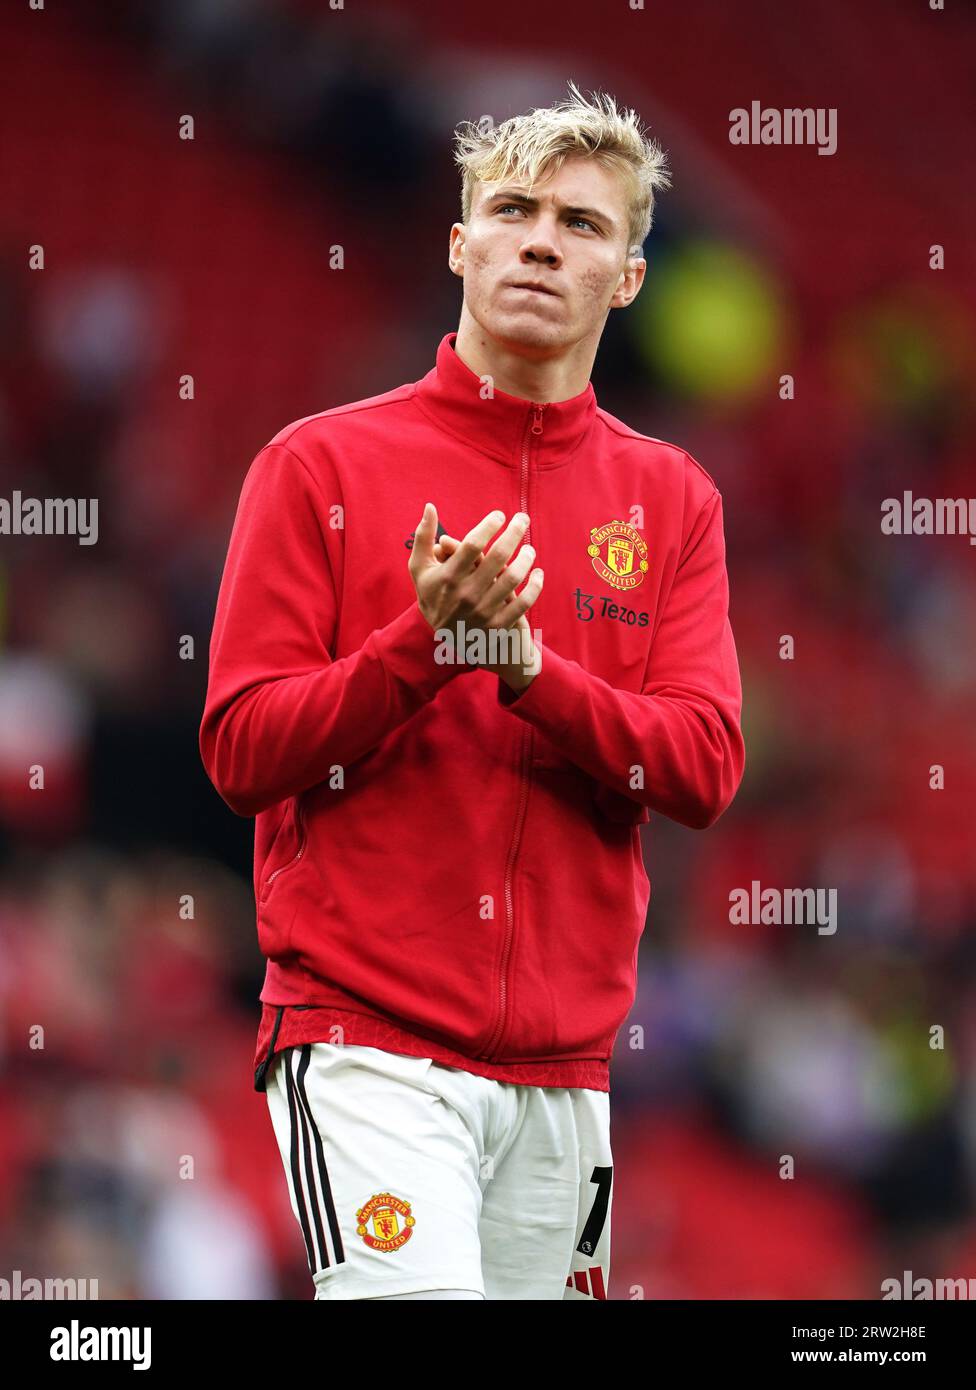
[
  {"x": 515, "y": 573},
  {"x": 466, "y": 557},
  {"x": 422, "y": 550},
  {"x": 506, "y": 544},
  {"x": 502, "y": 589},
  {"x": 496, "y": 559},
  {"x": 446, "y": 547},
  {"x": 510, "y": 612}
]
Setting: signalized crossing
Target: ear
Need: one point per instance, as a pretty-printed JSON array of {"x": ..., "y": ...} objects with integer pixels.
[
  {"x": 455, "y": 250},
  {"x": 631, "y": 279}
]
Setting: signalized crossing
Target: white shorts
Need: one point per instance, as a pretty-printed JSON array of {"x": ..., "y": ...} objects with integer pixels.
[{"x": 407, "y": 1176}]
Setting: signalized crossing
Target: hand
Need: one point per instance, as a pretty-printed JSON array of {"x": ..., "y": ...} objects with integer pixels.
[
  {"x": 461, "y": 582},
  {"x": 518, "y": 675}
]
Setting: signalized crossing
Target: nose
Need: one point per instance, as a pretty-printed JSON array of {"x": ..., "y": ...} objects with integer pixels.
[{"x": 540, "y": 246}]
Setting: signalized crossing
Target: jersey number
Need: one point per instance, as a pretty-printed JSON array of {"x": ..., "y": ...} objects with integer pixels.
[{"x": 597, "y": 1218}]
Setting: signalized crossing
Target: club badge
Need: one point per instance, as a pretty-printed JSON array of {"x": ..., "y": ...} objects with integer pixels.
[
  {"x": 619, "y": 554},
  {"x": 383, "y": 1212}
]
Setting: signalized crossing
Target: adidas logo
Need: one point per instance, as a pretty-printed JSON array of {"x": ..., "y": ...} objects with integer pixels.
[{"x": 588, "y": 1281}]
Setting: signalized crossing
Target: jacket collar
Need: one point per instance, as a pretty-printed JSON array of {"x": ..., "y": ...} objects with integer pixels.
[{"x": 502, "y": 425}]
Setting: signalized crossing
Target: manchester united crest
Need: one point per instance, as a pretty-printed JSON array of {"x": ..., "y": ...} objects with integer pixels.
[
  {"x": 385, "y": 1222},
  {"x": 619, "y": 554}
]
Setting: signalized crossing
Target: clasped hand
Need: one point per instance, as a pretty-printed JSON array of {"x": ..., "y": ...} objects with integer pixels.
[{"x": 459, "y": 581}]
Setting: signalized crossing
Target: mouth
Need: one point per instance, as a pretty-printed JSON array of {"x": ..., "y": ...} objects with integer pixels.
[{"x": 531, "y": 287}]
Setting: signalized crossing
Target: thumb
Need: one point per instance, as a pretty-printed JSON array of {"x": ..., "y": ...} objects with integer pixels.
[{"x": 422, "y": 550}]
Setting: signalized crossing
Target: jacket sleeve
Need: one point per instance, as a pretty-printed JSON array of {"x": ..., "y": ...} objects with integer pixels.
[
  {"x": 678, "y": 738},
  {"x": 280, "y": 711}
]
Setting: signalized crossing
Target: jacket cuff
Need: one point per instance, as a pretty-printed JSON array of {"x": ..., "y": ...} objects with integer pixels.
[
  {"x": 550, "y": 699},
  {"x": 551, "y": 709},
  {"x": 406, "y": 647}
]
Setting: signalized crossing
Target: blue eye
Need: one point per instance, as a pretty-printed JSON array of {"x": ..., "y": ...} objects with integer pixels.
[{"x": 514, "y": 207}]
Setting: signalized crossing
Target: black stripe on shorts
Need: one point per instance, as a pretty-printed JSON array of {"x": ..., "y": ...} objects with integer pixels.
[{"x": 304, "y": 1138}]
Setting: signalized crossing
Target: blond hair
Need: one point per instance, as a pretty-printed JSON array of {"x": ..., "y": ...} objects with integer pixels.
[{"x": 524, "y": 148}]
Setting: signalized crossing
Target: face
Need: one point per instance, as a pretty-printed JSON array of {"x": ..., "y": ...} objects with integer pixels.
[{"x": 570, "y": 237}]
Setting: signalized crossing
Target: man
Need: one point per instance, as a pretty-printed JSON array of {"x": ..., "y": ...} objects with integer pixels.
[{"x": 448, "y": 872}]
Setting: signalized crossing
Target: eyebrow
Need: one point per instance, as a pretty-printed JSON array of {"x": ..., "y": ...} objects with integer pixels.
[{"x": 510, "y": 195}]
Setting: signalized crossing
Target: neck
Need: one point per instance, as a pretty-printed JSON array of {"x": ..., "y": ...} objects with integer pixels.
[{"x": 519, "y": 370}]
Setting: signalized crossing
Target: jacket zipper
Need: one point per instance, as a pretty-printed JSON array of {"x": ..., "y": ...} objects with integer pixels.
[
  {"x": 524, "y": 762},
  {"x": 295, "y": 858}
]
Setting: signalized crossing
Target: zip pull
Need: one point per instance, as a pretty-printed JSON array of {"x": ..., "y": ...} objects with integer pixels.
[{"x": 537, "y": 418}]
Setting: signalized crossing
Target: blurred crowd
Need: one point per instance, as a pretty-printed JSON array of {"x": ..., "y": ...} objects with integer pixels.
[{"x": 129, "y": 969}]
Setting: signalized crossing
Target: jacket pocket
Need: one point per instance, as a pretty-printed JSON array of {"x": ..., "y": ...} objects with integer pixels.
[
  {"x": 612, "y": 805},
  {"x": 287, "y": 850},
  {"x": 548, "y": 757},
  {"x": 620, "y": 809}
]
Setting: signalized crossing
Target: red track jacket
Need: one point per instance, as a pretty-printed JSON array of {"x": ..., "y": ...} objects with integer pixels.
[{"x": 443, "y": 868}]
